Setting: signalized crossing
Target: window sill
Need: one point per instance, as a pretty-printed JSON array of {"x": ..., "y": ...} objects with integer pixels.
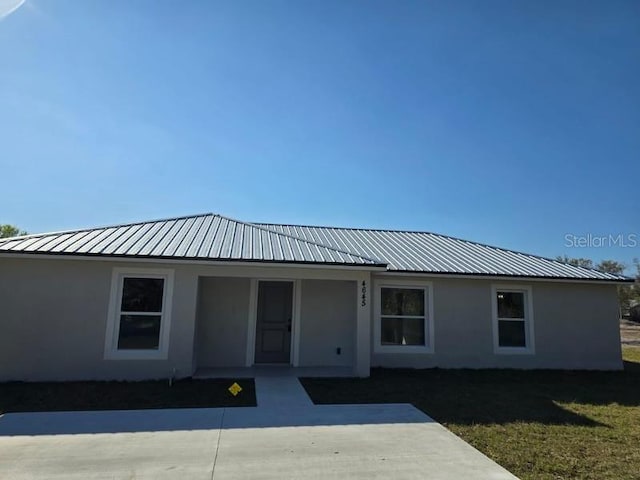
[{"x": 403, "y": 349}]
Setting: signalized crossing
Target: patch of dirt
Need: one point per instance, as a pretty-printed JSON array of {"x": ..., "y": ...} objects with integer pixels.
[{"x": 630, "y": 333}]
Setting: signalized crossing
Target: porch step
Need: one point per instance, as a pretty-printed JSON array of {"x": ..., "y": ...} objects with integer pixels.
[
  {"x": 281, "y": 391},
  {"x": 272, "y": 371}
]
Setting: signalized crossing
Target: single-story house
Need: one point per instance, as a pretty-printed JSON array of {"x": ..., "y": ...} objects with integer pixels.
[{"x": 172, "y": 297}]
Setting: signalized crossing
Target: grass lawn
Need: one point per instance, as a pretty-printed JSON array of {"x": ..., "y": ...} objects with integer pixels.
[
  {"x": 61, "y": 396},
  {"x": 537, "y": 424}
]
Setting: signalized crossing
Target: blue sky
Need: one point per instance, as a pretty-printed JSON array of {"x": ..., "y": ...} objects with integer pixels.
[{"x": 506, "y": 122}]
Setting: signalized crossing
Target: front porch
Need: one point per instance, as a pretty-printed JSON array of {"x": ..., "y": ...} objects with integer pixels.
[{"x": 294, "y": 322}]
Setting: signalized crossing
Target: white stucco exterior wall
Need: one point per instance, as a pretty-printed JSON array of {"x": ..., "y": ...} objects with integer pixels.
[
  {"x": 327, "y": 322},
  {"x": 222, "y": 326},
  {"x": 575, "y": 326},
  {"x": 53, "y": 319},
  {"x": 54, "y": 316}
]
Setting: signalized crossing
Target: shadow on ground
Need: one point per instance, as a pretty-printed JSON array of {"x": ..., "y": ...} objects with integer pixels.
[
  {"x": 487, "y": 396},
  {"x": 194, "y": 419}
]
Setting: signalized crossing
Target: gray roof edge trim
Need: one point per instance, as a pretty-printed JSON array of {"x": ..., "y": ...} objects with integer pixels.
[
  {"x": 376, "y": 261},
  {"x": 591, "y": 270},
  {"x": 104, "y": 227},
  {"x": 622, "y": 280},
  {"x": 114, "y": 257}
]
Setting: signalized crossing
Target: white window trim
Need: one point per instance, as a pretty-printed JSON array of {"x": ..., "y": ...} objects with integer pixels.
[
  {"x": 529, "y": 349},
  {"x": 428, "y": 321},
  {"x": 111, "y": 351}
]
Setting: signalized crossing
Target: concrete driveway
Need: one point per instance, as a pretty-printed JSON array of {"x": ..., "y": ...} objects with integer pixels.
[{"x": 270, "y": 441}]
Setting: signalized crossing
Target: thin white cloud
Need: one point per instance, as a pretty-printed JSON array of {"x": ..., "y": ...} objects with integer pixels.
[{"x": 7, "y": 7}]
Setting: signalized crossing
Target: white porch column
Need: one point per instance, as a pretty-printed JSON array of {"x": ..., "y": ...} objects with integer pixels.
[{"x": 363, "y": 326}]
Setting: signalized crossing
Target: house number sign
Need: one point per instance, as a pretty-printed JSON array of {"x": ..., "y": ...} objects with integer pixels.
[{"x": 364, "y": 294}]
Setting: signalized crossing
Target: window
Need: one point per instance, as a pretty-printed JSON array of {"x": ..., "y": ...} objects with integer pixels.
[
  {"x": 512, "y": 319},
  {"x": 139, "y": 314},
  {"x": 403, "y": 317}
]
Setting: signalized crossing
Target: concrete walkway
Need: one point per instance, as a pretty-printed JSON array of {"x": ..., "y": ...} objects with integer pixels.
[
  {"x": 285, "y": 437},
  {"x": 281, "y": 391}
]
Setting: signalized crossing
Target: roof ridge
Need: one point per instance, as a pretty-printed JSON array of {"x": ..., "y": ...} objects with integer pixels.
[
  {"x": 103, "y": 227},
  {"x": 310, "y": 242},
  {"x": 441, "y": 235}
]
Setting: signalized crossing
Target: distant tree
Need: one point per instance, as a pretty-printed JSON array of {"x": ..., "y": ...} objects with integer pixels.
[
  {"x": 576, "y": 262},
  {"x": 7, "y": 231},
  {"x": 627, "y": 294},
  {"x": 611, "y": 266}
]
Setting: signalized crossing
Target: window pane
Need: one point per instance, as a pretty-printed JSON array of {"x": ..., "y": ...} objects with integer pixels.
[
  {"x": 510, "y": 304},
  {"x": 511, "y": 333},
  {"x": 402, "y": 301},
  {"x": 402, "y": 331},
  {"x": 139, "y": 332},
  {"x": 142, "y": 294}
]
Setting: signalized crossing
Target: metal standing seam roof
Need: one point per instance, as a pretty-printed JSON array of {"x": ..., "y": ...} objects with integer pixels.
[
  {"x": 406, "y": 251},
  {"x": 206, "y": 237},
  {"x": 215, "y": 237}
]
